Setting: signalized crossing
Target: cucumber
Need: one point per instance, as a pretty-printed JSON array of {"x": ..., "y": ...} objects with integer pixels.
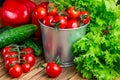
[
  {"x": 35, "y": 46},
  {"x": 16, "y": 35},
  {"x": 5, "y": 29}
]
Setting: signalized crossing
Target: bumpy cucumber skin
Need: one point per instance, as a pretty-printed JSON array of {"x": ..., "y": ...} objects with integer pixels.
[
  {"x": 17, "y": 34},
  {"x": 3, "y": 29},
  {"x": 37, "y": 48}
]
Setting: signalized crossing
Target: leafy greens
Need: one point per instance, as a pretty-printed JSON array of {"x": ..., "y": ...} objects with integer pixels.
[{"x": 98, "y": 52}]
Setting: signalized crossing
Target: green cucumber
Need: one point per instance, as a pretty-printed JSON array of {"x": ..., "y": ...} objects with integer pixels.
[
  {"x": 5, "y": 28},
  {"x": 16, "y": 35},
  {"x": 35, "y": 46}
]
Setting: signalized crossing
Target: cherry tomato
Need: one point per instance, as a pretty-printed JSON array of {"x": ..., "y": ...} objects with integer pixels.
[
  {"x": 53, "y": 69},
  {"x": 10, "y": 62},
  {"x": 26, "y": 67},
  {"x": 16, "y": 71},
  {"x": 61, "y": 20},
  {"x": 10, "y": 55},
  {"x": 85, "y": 17},
  {"x": 72, "y": 23},
  {"x": 53, "y": 11},
  {"x": 40, "y": 12},
  {"x": 47, "y": 20},
  {"x": 72, "y": 13},
  {"x": 30, "y": 58},
  {"x": 27, "y": 50},
  {"x": 6, "y": 50},
  {"x": 44, "y": 4}
]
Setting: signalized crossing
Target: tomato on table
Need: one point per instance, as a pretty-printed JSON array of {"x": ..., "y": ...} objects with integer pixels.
[
  {"x": 10, "y": 62},
  {"x": 16, "y": 71},
  {"x": 27, "y": 50},
  {"x": 10, "y": 55},
  {"x": 29, "y": 58},
  {"x": 53, "y": 69},
  {"x": 6, "y": 50},
  {"x": 26, "y": 67}
]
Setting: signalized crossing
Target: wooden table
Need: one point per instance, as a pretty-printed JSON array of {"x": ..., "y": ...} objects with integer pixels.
[{"x": 36, "y": 73}]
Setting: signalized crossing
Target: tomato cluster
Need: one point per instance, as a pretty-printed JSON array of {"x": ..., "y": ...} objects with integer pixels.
[
  {"x": 18, "y": 60},
  {"x": 49, "y": 15}
]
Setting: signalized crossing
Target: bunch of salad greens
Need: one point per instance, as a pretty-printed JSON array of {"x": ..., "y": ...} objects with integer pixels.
[{"x": 97, "y": 54}]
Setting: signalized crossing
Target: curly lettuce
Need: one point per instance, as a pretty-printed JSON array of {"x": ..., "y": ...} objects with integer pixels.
[{"x": 97, "y": 54}]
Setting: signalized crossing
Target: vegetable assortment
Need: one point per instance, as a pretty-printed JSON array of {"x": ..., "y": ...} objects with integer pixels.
[
  {"x": 18, "y": 59},
  {"x": 97, "y": 53}
]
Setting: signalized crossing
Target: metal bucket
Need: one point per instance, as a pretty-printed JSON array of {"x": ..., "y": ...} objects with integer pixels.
[{"x": 59, "y": 43}]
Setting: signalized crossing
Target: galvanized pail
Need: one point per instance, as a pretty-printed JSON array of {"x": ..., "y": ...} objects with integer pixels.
[{"x": 59, "y": 43}]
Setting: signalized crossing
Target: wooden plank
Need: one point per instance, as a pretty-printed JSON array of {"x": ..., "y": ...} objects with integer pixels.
[
  {"x": 68, "y": 73},
  {"x": 77, "y": 76},
  {"x": 39, "y": 74},
  {"x": 1, "y": 58},
  {"x": 32, "y": 73},
  {"x": 35, "y": 77}
]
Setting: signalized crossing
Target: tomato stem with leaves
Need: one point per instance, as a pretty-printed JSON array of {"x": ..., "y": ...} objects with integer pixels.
[{"x": 17, "y": 47}]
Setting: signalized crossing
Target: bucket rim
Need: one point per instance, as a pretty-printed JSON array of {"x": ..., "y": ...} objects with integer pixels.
[{"x": 63, "y": 29}]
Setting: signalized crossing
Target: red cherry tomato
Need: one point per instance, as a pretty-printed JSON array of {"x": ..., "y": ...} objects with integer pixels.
[
  {"x": 6, "y": 50},
  {"x": 53, "y": 69},
  {"x": 44, "y": 4},
  {"x": 30, "y": 58},
  {"x": 61, "y": 20},
  {"x": 72, "y": 24},
  {"x": 47, "y": 20},
  {"x": 85, "y": 17},
  {"x": 15, "y": 12},
  {"x": 53, "y": 11},
  {"x": 26, "y": 67},
  {"x": 16, "y": 71},
  {"x": 72, "y": 13},
  {"x": 10, "y": 62},
  {"x": 40, "y": 12},
  {"x": 10, "y": 55},
  {"x": 27, "y": 50}
]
